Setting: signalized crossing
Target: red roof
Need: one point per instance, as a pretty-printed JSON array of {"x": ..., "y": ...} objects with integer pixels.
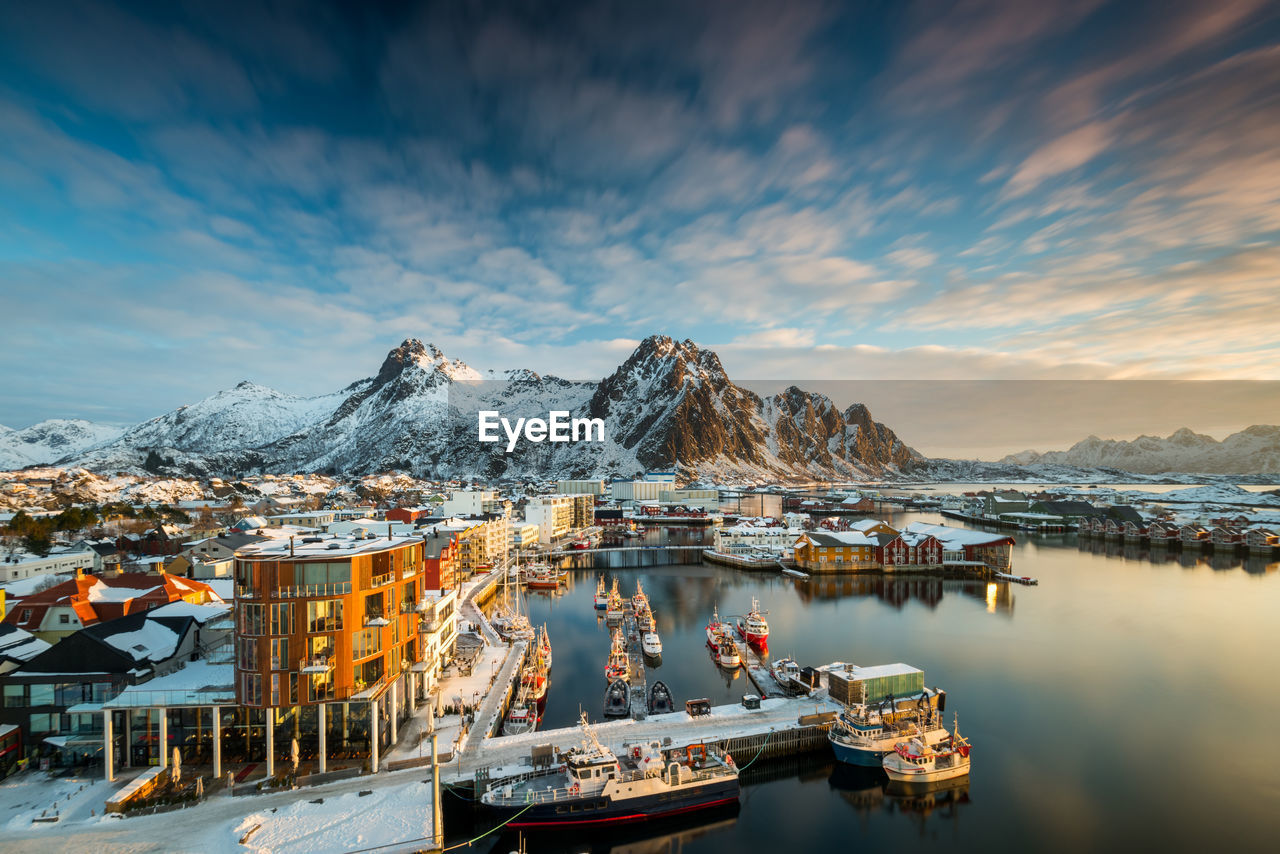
[{"x": 97, "y": 598}]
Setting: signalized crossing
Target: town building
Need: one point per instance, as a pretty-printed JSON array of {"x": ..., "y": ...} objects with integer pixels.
[
  {"x": 577, "y": 487},
  {"x": 839, "y": 551},
  {"x": 18, "y": 566},
  {"x": 86, "y": 600}
]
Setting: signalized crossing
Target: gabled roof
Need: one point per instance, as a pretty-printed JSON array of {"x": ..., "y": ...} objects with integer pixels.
[
  {"x": 114, "y": 647},
  {"x": 19, "y": 645},
  {"x": 99, "y": 598}
]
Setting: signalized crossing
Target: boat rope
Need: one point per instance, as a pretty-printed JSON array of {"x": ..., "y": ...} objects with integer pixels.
[
  {"x": 491, "y": 830},
  {"x": 758, "y": 752}
]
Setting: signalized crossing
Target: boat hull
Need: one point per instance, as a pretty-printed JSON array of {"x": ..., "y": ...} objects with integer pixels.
[
  {"x": 921, "y": 776},
  {"x": 870, "y": 758},
  {"x": 605, "y": 811}
]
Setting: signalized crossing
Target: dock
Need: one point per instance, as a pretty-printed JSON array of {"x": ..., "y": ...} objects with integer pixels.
[
  {"x": 755, "y": 668},
  {"x": 781, "y": 726},
  {"x": 636, "y": 673}
]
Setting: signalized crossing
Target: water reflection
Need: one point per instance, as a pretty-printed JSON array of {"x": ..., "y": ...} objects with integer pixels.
[
  {"x": 1193, "y": 558},
  {"x": 899, "y": 590},
  {"x": 668, "y": 836},
  {"x": 868, "y": 790}
]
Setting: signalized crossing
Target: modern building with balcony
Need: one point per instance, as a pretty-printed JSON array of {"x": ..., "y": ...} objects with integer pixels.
[{"x": 328, "y": 630}]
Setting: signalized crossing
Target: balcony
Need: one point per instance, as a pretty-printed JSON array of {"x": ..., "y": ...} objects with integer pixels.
[
  {"x": 316, "y": 664},
  {"x": 375, "y": 618},
  {"x": 382, "y": 580}
]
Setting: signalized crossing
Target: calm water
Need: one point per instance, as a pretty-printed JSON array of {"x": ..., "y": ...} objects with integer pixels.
[{"x": 1125, "y": 701}]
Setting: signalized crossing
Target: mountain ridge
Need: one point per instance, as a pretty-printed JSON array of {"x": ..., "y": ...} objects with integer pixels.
[
  {"x": 1255, "y": 449},
  {"x": 669, "y": 404}
]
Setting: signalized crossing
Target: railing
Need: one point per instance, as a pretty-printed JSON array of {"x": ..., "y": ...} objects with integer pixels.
[
  {"x": 384, "y": 579},
  {"x": 340, "y": 588},
  {"x": 316, "y": 661}
]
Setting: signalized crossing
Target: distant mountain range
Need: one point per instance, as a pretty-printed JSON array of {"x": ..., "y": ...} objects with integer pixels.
[
  {"x": 670, "y": 403},
  {"x": 1251, "y": 451}
]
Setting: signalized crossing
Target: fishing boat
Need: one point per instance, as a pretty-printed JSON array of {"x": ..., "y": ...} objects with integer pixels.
[
  {"x": 521, "y": 718},
  {"x": 602, "y": 595},
  {"x": 753, "y": 628},
  {"x": 640, "y": 601},
  {"x": 512, "y": 626},
  {"x": 715, "y": 629},
  {"x": 645, "y": 621},
  {"x": 615, "y": 608},
  {"x": 918, "y": 761},
  {"x": 544, "y": 646},
  {"x": 541, "y": 577},
  {"x": 617, "y": 699},
  {"x": 651, "y": 644},
  {"x": 595, "y": 786},
  {"x": 726, "y": 653},
  {"x": 861, "y": 735},
  {"x": 660, "y": 702},
  {"x": 786, "y": 672},
  {"x": 580, "y": 545},
  {"x": 617, "y": 666}
]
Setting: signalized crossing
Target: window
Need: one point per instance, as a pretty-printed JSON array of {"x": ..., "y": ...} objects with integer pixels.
[
  {"x": 64, "y": 618},
  {"x": 275, "y": 689},
  {"x": 313, "y": 574},
  {"x": 373, "y": 605},
  {"x": 15, "y": 696},
  {"x": 282, "y": 618},
  {"x": 251, "y": 689},
  {"x": 365, "y": 643},
  {"x": 26, "y": 615},
  {"x": 320, "y": 646},
  {"x": 279, "y": 653},
  {"x": 41, "y": 724},
  {"x": 247, "y": 653},
  {"x": 41, "y": 695},
  {"x": 251, "y": 619},
  {"x": 324, "y": 616}
]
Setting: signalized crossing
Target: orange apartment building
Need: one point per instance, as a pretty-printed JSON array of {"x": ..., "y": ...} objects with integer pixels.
[{"x": 341, "y": 620}]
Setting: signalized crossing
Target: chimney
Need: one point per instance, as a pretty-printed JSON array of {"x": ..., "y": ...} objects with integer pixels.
[{"x": 291, "y": 545}]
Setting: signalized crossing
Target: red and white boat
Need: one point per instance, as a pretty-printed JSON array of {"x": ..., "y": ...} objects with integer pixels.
[
  {"x": 715, "y": 629},
  {"x": 754, "y": 628}
]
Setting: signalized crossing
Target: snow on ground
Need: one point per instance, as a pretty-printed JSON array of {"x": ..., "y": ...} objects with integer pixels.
[
  {"x": 395, "y": 816},
  {"x": 26, "y": 796}
]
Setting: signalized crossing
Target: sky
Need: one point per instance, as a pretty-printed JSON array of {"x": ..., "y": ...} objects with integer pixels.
[{"x": 192, "y": 194}]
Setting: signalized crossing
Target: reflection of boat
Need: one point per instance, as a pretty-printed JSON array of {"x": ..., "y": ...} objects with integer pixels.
[
  {"x": 597, "y": 786},
  {"x": 862, "y": 736},
  {"x": 919, "y": 761},
  {"x": 617, "y": 700},
  {"x": 602, "y": 595},
  {"x": 786, "y": 672},
  {"x": 651, "y": 643},
  {"x": 660, "y": 702}
]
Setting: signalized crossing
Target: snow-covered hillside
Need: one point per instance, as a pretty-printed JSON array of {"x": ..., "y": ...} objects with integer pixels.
[
  {"x": 1251, "y": 451},
  {"x": 50, "y": 440}
]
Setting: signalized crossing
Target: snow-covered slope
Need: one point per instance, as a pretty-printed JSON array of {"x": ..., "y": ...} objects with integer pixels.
[
  {"x": 1251, "y": 451},
  {"x": 669, "y": 403},
  {"x": 50, "y": 440}
]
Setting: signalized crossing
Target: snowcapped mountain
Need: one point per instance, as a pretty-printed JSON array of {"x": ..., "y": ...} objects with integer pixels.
[
  {"x": 50, "y": 440},
  {"x": 669, "y": 403},
  {"x": 1253, "y": 450}
]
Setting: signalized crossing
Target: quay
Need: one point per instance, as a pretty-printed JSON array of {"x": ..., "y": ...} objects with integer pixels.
[{"x": 781, "y": 726}]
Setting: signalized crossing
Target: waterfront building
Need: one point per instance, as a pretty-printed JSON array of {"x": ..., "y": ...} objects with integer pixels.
[
  {"x": 747, "y": 537},
  {"x": 339, "y": 622},
  {"x": 838, "y": 551},
  {"x": 631, "y": 492},
  {"x": 995, "y": 551},
  {"x": 553, "y": 514},
  {"x": 524, "y": 535},
  {"x": 704, "y": 499},
  {"x": 911, "y": 550}
]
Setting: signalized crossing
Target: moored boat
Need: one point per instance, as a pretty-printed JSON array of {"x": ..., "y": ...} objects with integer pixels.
[
  {"x": 660, "y": 701},
  {"x": 861, "y": 735},
  {"x": 754, "y": 628},
  {"x": 787, "y": 673},
  {"x": 726, "y": 653},
  {"x": 596, "y": 786},
  {"x": 602, "y": 595},
  {"x": 521, "y": 718},
  {"x": 917, "y": 761},
  {"x": 651, "y": 644},
  {"x": 617, "y": 699}
]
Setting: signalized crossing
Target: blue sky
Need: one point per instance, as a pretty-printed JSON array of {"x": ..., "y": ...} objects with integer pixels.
[{"x": 192, "y": 194}]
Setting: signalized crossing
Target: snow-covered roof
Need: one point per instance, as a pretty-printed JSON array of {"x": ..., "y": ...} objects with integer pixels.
[
  {"x": 957, "y": 537},
  {"x": 197, "y": 683},
  {"x": 200, "y": 613},
  {"x": 101, "y": 592},
  {"x": 152, "y": 642}
]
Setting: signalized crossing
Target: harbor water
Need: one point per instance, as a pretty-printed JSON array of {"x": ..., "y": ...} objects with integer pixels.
[{"x": 1125, "y": 703}]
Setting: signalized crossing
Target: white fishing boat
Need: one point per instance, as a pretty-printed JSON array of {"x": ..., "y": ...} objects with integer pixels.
[
  {"x": 787, "y": 673},
  {"x": 651, "y": 644},
  {"x": 602, "y": 595},
  {"x": 917, "y": 761},
  {"x": 522, "y": 717}
]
